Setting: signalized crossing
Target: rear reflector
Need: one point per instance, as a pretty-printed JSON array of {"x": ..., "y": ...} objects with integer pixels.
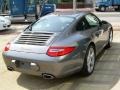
[
  {"x": 7, "y": 47},
  {"x": 59, "y": 51}
]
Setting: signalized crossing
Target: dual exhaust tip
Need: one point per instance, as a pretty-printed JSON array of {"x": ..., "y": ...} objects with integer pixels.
[
  {"x": 10, "y": 68},
  {"x": 44, "y": 75},
  {"x": 48, "y": 76}
]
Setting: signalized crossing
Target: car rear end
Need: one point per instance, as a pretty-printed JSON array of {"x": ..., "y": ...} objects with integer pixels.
[{"x": 38, "y": 57}]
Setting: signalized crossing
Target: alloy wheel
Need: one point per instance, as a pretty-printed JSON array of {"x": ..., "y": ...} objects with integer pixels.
[{"x": 91, "y": 60}]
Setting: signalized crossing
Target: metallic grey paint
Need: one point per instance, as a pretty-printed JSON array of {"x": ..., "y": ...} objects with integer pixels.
[{"x": 63, "y": 65}]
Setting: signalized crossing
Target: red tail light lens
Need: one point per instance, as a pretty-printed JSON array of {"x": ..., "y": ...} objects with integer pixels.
[
  {"x": 59, "y": 51},
  {"x": 7, "y": 47}
]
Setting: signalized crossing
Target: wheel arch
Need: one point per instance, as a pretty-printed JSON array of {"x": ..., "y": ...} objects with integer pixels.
[
  {"x": 110, "y": 28},
  {"x": 84, "y": 68}
]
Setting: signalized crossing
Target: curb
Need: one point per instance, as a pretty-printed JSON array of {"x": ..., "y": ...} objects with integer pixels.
[{"x": 21, "y": 22}]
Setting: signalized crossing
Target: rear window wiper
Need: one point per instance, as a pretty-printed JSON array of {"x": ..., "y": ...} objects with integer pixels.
[{"x": 29, "y": 28}]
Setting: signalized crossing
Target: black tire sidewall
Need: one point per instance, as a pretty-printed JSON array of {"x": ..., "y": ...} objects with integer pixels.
[
  {"x": 111, "y": 31},
  {"x": 101, "y": 8},
  {"x": 85, "y": 67}
]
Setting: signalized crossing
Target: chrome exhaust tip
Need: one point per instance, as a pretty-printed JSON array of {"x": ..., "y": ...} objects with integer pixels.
[
  {"x": 10, "y": 68},
  {"x": 48, "y": 76}
]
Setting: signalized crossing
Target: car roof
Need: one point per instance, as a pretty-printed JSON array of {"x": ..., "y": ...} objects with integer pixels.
[{"x": 72, "y": 14}]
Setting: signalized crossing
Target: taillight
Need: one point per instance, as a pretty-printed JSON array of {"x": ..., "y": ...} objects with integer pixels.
[
  {"x": 59, "y": 51},
  {"x": 7, "y": 47}
]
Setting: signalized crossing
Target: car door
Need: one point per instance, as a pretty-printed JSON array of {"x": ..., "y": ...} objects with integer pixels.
[
  {"x": 86, "y": 30},
  {"x": 97, "y": 31}
]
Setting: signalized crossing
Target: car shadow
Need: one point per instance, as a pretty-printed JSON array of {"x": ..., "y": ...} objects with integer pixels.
[{"x": 105, "y": 76}]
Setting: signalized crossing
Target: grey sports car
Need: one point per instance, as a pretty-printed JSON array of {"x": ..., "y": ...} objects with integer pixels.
[{"x": 58, "y": 45}]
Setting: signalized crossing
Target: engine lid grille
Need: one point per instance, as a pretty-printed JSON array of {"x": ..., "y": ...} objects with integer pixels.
[{"x": 34, "y": 38}]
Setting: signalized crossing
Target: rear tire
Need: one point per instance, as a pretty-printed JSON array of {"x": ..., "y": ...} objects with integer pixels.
[
  {"x": 97, "y": 10},
  {"x": 102, "y": 8},
  {"x": 89, "y": 61},
  {"x": 117, "y": 9}
]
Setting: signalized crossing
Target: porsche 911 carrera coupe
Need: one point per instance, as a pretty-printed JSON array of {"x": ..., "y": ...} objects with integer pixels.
[{"x": 58, "y": 45}]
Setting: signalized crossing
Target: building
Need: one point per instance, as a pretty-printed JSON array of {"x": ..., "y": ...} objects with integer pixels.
[
  {"x": 69, "y": 3},
  {"x": 4, "y": 4}
]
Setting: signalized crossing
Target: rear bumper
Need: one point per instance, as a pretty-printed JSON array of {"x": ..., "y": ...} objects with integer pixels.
[
  {"x": 5, "y": 26},
  {"x": 58, "y": 67}
]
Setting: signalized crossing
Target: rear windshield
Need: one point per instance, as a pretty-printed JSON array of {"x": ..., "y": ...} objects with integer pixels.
[{"x": 52, "y": 23}]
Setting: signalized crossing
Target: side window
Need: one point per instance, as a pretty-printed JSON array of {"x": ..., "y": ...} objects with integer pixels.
[
  {"x": 82, "y": 25},
  {"x": 92, "y": 20}
]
